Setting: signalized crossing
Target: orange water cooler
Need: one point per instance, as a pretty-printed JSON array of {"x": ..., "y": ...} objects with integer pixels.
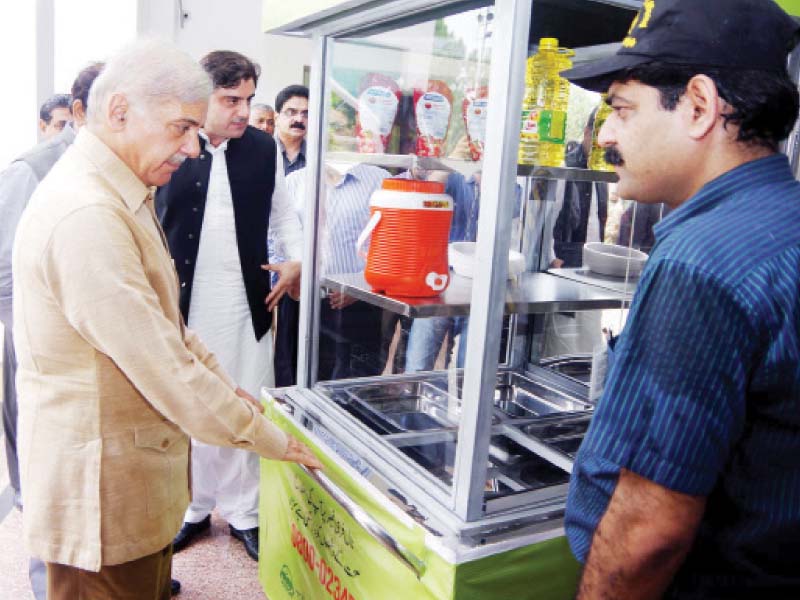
[{"x": 410, "y": 228}]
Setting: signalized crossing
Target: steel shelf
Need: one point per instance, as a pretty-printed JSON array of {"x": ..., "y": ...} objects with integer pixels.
[
  {"x": 529, "y": 293},
  {"x": 584, "y": 275},
  {"x": 566, "y": 173},
  {"x": 466, "y": 167}
]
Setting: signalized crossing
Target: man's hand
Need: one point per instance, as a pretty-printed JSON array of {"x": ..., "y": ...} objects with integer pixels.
[
  {"x": 298, "y": 452},
  {"x": 288, "y": 282},
  {"x": 641, "y": 541},
  {"x": 340, "y": 300},
  {"x": 256, "y": 404}
]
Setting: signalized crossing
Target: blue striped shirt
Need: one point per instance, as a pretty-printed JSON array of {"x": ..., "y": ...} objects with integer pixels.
[
  {"x": 704, "y": 393},
  {"x": 346, "y": 213}
]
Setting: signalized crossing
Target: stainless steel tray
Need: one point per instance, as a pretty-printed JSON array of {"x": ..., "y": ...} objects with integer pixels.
[
  {"x": 408, "y": 405},
  {"x": 520, "y": 397}
]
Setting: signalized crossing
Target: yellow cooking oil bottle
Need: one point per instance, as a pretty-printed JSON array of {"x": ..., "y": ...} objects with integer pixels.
[
  {"x": 544, "y": 107},
  {"x": 597, "y": 158}
]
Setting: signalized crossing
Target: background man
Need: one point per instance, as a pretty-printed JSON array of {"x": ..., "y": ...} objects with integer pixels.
[
  {"x": 351, "y": 337},
  {"x": 292, "y": 106},
  {"x": 215, "y": 212},
  {"x": 54, "y": 114},
  {"x": 109, "y": 378},
  {"x": 583, "y": 213},
  {"x": 17, "y": 184},
  {"x": 688, "y": 481},
  {"x": 262, "y": 116}
]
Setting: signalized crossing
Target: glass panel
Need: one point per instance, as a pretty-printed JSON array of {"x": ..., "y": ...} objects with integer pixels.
[{"x": 407, "y": 105}]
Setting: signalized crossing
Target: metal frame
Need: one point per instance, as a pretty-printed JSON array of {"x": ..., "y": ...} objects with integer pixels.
[
  {"x": 509, "y": 52},
  {"x": 307, "y": 359},
  {"x": 462, "y": 506}
]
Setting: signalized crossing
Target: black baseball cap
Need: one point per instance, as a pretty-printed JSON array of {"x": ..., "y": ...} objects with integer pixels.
[{"x": 733, "y": 34}]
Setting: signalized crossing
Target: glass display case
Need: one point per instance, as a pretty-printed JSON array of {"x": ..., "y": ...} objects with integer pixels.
[{"x": 448, "y": 419}]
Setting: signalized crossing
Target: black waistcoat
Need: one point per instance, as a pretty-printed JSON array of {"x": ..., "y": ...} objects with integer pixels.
[{"x": 180, "y": 206}]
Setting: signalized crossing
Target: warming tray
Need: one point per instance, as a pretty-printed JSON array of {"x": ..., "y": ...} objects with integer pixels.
[
  {"x": 520, "y": 397},
  {"x": 404, "y": 406}
]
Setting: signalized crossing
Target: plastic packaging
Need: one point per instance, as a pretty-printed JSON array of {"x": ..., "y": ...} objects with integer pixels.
[
  {"x": 409, "y": 229},
  {"x": 473, "y": 111},
  {"x": 597, "y": 158},
  {"x": 544, "y": 107},
  {"x": 432, "y": 108},
  {"x": 378, "y": 100}
]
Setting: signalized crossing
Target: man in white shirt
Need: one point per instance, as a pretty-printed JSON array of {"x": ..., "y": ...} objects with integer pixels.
[{"x": 216, "y": 211}]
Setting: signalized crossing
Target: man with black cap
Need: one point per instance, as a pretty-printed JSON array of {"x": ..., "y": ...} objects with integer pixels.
[{"x": 687, "y": 484}]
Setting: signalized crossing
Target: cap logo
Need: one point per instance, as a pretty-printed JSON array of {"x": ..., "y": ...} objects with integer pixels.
[{"x": 641, "y": 21}]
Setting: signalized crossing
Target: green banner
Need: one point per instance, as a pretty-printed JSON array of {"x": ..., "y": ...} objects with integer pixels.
[
  {"x": 790, "y": 6},
  {"x": 312, "y": 549}
]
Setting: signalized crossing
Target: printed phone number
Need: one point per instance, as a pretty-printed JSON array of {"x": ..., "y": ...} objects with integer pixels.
[{"x": 327, "y": 578}]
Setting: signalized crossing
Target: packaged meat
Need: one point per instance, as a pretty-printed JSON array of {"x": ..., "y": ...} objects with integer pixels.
[
  {"x": 473, "y": 111},
  {"x": 432, "y": 108},
  {"x": 378, "y": 99}
]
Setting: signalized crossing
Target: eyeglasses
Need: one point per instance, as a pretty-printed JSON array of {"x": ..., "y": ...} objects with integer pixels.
[{"x": 292, "y": 112}]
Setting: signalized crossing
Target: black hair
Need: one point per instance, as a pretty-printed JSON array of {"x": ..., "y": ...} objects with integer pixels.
[
  {"x": 764, "y": 104},
  {"x": 83, "y": 83},
  {"x": 53, "y": 102},
  {"x": 228, "y": 69},
  {"x": 289, "y": 92}
]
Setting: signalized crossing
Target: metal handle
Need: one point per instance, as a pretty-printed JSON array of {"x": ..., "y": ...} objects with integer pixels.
[{"x": 375, "y": 529}]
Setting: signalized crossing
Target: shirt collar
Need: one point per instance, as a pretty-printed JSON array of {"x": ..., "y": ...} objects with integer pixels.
[
  {"x": 282, "y": 148},
  {"x": 210, "y": 148},
  {"x": 755, "y": 173},
  {"x": 112, "y": 168},
  {"x": 353, "y": 174}
]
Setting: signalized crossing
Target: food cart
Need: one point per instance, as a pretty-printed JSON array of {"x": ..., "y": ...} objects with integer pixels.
[{"x": 448, "y": 482}]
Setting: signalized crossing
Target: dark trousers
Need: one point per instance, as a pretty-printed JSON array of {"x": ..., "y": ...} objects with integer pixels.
[
  {"x": 351, "y": 341},
  {"x": 10, "y": 408},
  {"x": 286, "y": 334},
  {"x": 146, "y": 578}
]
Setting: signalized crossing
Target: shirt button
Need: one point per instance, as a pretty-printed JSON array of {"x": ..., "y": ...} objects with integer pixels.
[
  {"x": 195, "y": 209},
  {"x": 183, "y": 284},
  {"x": 191, "y": 236},
  {"x": 202, "y": 157},
  {"x": 198, "y": 184},
  {"x": 165, "y": 443},
  {"x": 188, "y": 261}
]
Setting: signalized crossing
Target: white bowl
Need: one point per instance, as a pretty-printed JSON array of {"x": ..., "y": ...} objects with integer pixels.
[
  {"x": 613, "y": 260},
  {"x": 462, "y": 259}
]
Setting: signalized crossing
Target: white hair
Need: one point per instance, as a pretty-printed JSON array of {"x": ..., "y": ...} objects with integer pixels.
[{"x": 146, "y": 72}]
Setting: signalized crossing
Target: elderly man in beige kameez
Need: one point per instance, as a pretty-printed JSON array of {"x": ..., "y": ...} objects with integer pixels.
[{"x": 110, "y": 382}]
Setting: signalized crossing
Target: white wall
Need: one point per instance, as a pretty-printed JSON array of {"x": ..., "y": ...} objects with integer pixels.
[
  {"x": 230, "y": 25},
  {"x": 18, "y": 103}
]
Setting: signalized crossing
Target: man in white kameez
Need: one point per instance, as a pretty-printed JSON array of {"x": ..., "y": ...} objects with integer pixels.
[{"x": 215, "y": 212}]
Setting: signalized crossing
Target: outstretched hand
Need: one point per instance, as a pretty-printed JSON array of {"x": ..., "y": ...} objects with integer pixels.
[
  {"x": 288, "y": 281},
  {"x": 298, "y": 452}
]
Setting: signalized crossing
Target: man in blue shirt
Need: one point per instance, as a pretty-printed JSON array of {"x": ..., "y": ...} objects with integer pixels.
[{"x": 687, "y": 484}]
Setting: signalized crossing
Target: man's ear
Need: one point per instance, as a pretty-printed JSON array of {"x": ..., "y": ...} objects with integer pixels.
[
  {"x": 117, "y": 112},
  {"x": 705, "y": 105},
  {"x": 42, "y": 125},
  {"x": 78, "y": 112}
]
